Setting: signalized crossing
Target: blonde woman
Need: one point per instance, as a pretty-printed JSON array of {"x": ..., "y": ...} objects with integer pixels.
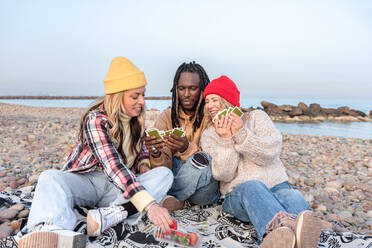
[
  {"x": 101, "y": 170},
  {"x": 245, "y": 155}
]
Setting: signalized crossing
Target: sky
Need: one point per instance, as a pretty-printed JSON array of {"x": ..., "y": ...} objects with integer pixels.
[{"x": 281, "y": 48}]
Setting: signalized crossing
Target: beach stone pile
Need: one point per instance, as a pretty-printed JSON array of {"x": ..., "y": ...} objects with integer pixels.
[
  {"x": 334, "y": 174},
  {"x": 313, "y": 113}
]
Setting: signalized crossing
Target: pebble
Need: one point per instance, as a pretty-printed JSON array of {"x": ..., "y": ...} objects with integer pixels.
[
  {"x": 24, "y": 213},
  {"x": 334, "y": 185},
  {"x": 18, "y": 207},
  {"x": 369, "y": 214},
  {"x": 321, "y": 208},
  {"x": 5, "y": 231},
  {"x": 8, "y": 214},
  {"x": 346, "y": 216}
]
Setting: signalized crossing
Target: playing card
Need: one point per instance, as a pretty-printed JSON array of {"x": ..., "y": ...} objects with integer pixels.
[
  {"x": 179, "y": 132},
  {"x": 154, "y": 132},
  {"x": 168, "y": 132},
  {"x": 221, "y": 113},
  {"x": 229, "y": 110},
  {"x": 237, "y": 111}
]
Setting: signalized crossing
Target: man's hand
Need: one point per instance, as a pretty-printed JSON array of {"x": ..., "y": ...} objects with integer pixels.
[
  {"x": 152, "y": 142},
  {"x": 160, "y": 217},
  {"x": 176, "y": 143}
]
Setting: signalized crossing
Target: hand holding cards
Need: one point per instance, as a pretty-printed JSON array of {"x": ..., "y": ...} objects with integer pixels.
[
  {"x": 161, "y": 134},
  {"x": 154, "y": 132},
  {"x": 236, "y": 110}
]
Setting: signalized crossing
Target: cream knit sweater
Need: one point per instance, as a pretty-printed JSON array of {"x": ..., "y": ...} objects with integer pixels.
[{"x": 251, "y": 154}]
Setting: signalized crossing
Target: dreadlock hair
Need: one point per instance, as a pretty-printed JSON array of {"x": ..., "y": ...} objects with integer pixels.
[{"x": 198, "y": 115}]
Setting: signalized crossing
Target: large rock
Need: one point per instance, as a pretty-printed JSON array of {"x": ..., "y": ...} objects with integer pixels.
[
  {"x": 302, "y": 106},
  {"x": 315, "y": 110},
  {"x": 286, "y": 108},
  {"x": 296, "y": 111},
  {"x": 265, "y": 104},
  {"x": 272, "y": 109},
  {"x": 351, "y": 112},
  {"x": 331, "y": 112},
  {"x": 275, "y": 111}
]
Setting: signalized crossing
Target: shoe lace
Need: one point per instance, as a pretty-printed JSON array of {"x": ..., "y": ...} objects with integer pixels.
[{"x": 113, "y": 215}]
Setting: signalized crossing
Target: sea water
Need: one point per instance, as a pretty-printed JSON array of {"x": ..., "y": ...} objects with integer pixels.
[{"x": 361, "y": 130}]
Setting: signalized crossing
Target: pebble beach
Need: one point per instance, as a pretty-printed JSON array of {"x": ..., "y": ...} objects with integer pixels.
[{"x": 334, "y": 174}]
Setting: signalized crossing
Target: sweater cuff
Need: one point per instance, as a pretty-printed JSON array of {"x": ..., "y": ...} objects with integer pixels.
[
  {"x": 141, "y": 199},
  {"x": 240, "y": 136}
]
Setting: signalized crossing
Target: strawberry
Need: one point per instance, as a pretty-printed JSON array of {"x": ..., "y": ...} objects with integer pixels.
[
  {"x": 193, "y": 239},
  {"x": 174, "y": 225}
]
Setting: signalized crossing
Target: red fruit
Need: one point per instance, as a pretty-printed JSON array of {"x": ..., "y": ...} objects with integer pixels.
[
  {"x": 174, "y": 225},
  {"x": 193, "y": 239}
]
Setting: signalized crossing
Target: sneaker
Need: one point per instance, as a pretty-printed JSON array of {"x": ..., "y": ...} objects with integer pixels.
[
  {"x": 282, "y": 237},
  {"x": 50, "y": 236},
  {"x": 200, "y": 160},
  {"x": 171, "y": 203},
  {"x": 308, "y": 229},
  {"x": 98, "y": 220},
  {"x": 281, "y": 219}
]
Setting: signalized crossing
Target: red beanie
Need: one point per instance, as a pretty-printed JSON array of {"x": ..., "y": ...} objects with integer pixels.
[{"x": 225, "y": 88}]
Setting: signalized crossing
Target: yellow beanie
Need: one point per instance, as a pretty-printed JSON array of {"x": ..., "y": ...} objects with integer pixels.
[{"x": 123, "y": 75}]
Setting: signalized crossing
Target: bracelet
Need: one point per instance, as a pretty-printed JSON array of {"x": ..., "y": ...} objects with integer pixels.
[
  {"x": 155, "y": 154},
  {"x": 148, "y": 206}
]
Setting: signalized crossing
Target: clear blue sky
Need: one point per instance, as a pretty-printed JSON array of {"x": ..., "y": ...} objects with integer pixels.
[{"x": 286, "y": 48}]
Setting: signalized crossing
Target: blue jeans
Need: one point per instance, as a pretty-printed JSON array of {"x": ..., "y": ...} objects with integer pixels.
[
  {"x": 253, "y": 201},
  {"x": 58, "y": 192},
  {"x": 193, "y": 184}
]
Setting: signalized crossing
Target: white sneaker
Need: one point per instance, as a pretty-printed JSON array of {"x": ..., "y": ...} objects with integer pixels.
[
  {"x": 98, "y": 220},
  {"x": 50, "y": 236}
]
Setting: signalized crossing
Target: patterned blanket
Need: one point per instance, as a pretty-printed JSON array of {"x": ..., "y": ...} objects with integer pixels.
[{"x": 214, "y": 227}]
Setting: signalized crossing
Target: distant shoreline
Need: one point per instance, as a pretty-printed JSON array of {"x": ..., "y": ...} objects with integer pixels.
[{"x": 75, "y": 97}]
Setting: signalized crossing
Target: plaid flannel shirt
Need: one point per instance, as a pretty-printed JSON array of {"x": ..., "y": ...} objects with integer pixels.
[{"x": 97, "y": 150}]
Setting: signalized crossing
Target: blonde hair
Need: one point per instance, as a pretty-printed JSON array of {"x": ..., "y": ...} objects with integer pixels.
[
  {"x": 224, "y": 105},
  {"x": 113, "y": 104}
]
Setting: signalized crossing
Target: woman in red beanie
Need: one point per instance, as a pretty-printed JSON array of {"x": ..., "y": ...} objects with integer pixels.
[{"x": 245, "y": 155}]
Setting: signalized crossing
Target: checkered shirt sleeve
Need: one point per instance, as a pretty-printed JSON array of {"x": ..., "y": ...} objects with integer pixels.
[{"x": 97, "y": 137}]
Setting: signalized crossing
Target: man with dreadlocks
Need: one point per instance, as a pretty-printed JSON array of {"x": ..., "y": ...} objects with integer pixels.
[{"x": 192, "y": 174}]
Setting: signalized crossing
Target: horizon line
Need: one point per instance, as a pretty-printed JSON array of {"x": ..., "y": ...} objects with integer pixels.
[{"x": 77, "y": 97}]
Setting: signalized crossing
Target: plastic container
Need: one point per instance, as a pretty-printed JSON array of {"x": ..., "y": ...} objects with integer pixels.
[{"x": 177, "y": 236}]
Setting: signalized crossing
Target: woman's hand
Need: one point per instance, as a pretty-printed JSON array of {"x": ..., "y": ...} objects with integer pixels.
[
  {"x": 223, "y": 127},
  {"x": 154, "y": 145},
  {"x": 144, "y": 168},
  {"x": 236, "y": 123},
  {"x": 160, "y": 217}
]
